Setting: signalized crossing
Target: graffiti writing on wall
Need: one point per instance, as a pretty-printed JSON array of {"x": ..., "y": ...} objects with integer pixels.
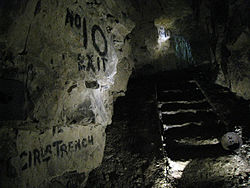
[
  {"x": 88, "y": 62},
  {"x": 58, "y": 148},
  {"x": 92, "y": 64}
]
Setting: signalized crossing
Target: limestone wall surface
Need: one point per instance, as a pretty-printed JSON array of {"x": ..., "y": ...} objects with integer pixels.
[{"x": 62, "y": 64}]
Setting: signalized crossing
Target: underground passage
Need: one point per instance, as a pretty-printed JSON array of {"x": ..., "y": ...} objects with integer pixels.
[{"x": 124, "y": 94}]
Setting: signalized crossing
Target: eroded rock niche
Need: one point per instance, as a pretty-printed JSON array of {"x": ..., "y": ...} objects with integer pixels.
[{"x": 63, "y": 63}]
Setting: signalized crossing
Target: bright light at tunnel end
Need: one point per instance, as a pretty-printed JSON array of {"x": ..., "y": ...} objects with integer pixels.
[{"x": 163, "y": 35}]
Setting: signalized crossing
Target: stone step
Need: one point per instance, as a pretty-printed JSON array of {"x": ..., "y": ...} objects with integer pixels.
[
  {"x": 184, "y": 152},
  {"x": 166, "y": 127},
  {"x": 186, "y": 111},
  {"x": 177, "y": 86},
  {"x": 192, "y": 141},
  {"x": 181, "y": 96},
  {"x": 192, "y": 130},
  {"x": 185, "y": 106},
  {"x": 181, "y": 118}
]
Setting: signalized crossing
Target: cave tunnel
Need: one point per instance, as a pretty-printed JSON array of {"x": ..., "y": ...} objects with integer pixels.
[{"x": 124, "y": 93}]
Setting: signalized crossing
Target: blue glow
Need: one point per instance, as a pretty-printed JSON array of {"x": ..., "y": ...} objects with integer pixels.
[{"x": 183, "y": 50}]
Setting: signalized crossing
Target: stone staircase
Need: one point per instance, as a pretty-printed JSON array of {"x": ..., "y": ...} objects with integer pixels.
[{"x": 190, "y": 127}]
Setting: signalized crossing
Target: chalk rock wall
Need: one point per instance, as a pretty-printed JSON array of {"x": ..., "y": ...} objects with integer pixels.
[{"x": 62, "y": 65}]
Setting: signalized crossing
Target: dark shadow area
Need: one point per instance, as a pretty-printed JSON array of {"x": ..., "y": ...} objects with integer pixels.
[
  {"x": 133, "y": 143},
  {"x": 194, "y": 131},
  {"x": 141, "y": 115},
  {"x": 185, "y": 106},
  {"x": 134, "y": 140},
  {"x": 184, "y": 152},
  {"x": 180, "y": 96},
  {"x": 12, "y": 100},
  {"x": 184, "y": 117},
  {"x": 232, "y": 109}
]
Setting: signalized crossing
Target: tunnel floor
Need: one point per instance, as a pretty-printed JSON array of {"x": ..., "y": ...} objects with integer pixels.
[{"x": 166, "y": 132}]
